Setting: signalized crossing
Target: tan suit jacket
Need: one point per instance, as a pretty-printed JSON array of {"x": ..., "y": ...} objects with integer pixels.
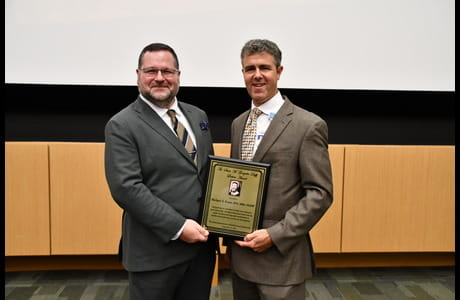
[{"x": 299, "y": 193}]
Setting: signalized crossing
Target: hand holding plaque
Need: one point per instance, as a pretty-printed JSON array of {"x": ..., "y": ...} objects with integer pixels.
[{"x": 235, "y": 196}]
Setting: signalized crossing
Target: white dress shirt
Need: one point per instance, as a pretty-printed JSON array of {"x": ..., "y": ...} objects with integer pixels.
[{"x": 269, "y": 109}]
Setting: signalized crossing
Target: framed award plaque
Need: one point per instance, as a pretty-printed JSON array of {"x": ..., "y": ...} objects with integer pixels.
[{"x": 235, "y": 196}]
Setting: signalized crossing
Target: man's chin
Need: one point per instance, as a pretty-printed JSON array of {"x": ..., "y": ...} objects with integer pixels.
[
  {"x": 161, "y": 96},
  {"x": 160, "y": 99},
  {"x": 259, "y": 99},
  {"x": 258, "y": 94}
]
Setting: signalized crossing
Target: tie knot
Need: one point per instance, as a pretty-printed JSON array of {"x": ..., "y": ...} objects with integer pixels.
[
  {"x": 257, "y": 111},
  {"x": 171, "y": 113}
]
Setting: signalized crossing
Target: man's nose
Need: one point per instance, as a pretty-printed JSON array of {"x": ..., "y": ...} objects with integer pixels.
[{"x": 159, "y": 76}]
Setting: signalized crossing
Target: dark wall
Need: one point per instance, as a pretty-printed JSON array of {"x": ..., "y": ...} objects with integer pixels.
[{"x": 79, "y": 112}]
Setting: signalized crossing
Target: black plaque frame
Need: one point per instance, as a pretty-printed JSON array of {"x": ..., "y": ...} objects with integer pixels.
[{"x": 231, "y": 214}]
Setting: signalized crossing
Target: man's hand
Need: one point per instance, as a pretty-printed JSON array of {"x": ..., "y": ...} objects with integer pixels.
[
  {"x": 259, "y": 241},
  {"x": 193, "y": 232}
]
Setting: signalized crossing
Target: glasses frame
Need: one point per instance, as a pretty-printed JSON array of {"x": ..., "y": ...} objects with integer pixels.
[{"x": 165, "y": 72}]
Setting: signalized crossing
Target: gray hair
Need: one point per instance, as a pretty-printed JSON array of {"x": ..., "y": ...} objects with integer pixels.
[{"x": 259, "y": 46}]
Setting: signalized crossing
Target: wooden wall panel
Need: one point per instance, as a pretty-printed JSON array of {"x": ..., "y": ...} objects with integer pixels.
[
  {"x": 398, "y": 199},
  {"x": 386, "y": 199},
  {"x": 222, "y": 149},
  {"x": 84, "y": 217},
  {"x": 27, "y": 226},
  {"x": 326, "y": 235}
]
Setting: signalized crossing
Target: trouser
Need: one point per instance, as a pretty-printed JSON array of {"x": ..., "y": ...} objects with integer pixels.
[
  {"x": 246, "y": 290},
  {"x": 189, "y": 280}
]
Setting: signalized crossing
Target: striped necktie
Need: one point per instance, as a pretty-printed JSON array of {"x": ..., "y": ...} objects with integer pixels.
[
  {"x": 249, "y": 135},
  {"x": 183, "y": 135}
]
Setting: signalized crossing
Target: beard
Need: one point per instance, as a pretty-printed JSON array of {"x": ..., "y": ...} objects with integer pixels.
[{"x": 162, "y": 98}]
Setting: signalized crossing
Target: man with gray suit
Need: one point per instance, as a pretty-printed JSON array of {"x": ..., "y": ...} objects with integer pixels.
[
  {"x": 156, "y": 155},
  {"x": 273, "y": 262}
]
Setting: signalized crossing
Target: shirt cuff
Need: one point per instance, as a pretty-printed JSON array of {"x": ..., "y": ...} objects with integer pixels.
[{"x": 178, "y": 233}]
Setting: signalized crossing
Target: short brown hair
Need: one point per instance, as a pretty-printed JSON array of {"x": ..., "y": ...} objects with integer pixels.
[{"x": 157, "y": 47}]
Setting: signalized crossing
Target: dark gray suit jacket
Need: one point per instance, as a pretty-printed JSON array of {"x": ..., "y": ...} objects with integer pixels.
[
  {"x": 299, "y": 193},
  {"x": 155, "y": 182}
]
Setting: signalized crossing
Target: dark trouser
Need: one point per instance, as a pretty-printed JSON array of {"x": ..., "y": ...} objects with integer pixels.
[
  {"x": 246, "y": 290},
  {"x": 190, "y": 280}
]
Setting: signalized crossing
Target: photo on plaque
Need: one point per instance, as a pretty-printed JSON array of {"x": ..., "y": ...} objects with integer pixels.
[
  {"x": 235, "y": 196},
  {"x": 235, "y": 188}
]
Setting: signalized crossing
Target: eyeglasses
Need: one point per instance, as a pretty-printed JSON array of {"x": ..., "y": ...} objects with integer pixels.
[{"x": 153, "y": 72}]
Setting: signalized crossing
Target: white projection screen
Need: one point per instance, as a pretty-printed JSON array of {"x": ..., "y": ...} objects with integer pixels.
[{"x": 326, "y": 44}]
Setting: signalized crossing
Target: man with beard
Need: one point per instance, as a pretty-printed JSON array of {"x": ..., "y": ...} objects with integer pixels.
[{"x": 156, "y": 155}]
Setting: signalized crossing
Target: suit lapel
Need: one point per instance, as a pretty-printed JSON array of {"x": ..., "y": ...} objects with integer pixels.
[
  {"x": 157, "y": 124},
  {"x": 278, "y": 124},
  {"x": 194, "y": 122}
]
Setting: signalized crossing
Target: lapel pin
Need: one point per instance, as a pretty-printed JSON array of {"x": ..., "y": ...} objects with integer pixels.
[{"x": 204, "y": 125}]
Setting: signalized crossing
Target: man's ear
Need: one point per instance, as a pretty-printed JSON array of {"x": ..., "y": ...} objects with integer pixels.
[{"x": 279, "y": 70}]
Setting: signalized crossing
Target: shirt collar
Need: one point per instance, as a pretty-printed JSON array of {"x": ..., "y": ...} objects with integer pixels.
[
  {"x": 159, "y": 110},
  {"x": 272, "y": 105}
]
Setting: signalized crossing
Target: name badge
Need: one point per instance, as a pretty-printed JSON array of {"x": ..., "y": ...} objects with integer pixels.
[{"x": 259, "y": 136}]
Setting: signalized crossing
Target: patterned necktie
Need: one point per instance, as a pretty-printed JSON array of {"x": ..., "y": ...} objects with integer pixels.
[
  {"x": 183, "y": 135},
  {"x": 249, "y": 135}
]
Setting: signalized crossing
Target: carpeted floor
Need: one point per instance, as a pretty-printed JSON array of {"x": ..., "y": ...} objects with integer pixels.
[{"x": 333, "y": 283}]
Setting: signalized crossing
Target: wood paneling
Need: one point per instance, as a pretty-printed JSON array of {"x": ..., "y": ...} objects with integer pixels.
[
  {"x": 27, "y": 226},
  {"x": 326, "y": 234},
  {"x": 222, "y": 149},
  {"x": 398, "y": 199},
  {"x": 393, "y": 199},
  {"x": 84, "y": 217}
]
